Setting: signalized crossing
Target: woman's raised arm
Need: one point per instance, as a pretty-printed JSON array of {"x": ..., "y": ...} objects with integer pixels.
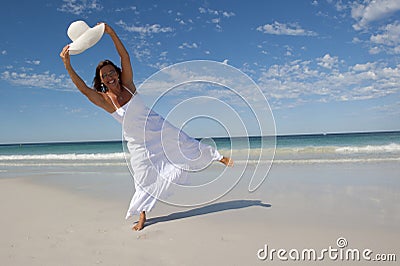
[
  {"x": 127, "y": 73},
  {"x": 94, "y": 96}
]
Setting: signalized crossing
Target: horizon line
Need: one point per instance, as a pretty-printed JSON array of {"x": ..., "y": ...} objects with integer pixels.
[{"x": 215, "y": 137}]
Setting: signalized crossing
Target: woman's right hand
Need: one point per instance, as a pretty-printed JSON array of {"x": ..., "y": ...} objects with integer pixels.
[
  {"x": 107, "y": 28},
  {"x": 65, "y": 55}
]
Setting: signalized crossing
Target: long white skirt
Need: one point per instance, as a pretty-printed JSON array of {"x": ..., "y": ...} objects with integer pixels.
[{"x": 160, "y": 154}]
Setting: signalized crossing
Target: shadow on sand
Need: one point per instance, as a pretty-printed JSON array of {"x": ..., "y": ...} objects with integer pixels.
[{"x": 212, "y": 208}]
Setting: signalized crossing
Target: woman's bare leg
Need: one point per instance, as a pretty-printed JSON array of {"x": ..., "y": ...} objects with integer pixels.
[{"x": 140, "y": 224}]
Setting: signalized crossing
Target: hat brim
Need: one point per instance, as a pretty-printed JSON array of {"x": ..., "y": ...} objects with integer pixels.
[{"x": 87, "y": 40}]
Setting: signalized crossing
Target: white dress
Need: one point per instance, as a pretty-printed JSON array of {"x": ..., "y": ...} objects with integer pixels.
[{"x": 160, "y": 153}]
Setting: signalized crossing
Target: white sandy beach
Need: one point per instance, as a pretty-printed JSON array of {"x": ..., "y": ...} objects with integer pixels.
[{"x": 56, "y": 217}]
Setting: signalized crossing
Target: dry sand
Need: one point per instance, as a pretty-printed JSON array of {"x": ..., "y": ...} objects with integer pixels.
[{"x": 298, "y": 207}]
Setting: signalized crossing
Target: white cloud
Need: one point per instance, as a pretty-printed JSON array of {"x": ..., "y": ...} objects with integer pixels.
[
  {"x": 202, "y": 10},
  {"x": 44, "y": 80},
  {"x": 298, "y": 82},
  {"x": 147, "y": 29},
  {"x": 210, "y": 11},
  {"x": 131, "y": 8},
  {"x": 33, "y": 62},
  {"x": 143, "y": 49},
  {"x": 363, "y": 67},
  {"x": 228, "y": 14},
  {"x": 3, "y": 52},
  {"x": 141, "y": 52},
  {"x": 369, "y": 11},
  {"x": 216, "y": 16},
  {"x": 328, "y": 61},
  {"x": 356, "y": 40},
  {"x": 388, "y": 39},
  {"x": 383, "y": 39},
  {"x": 79, "y": 7},
  {"x": 188, "y": 45},
  {"x": 289, "y": 50},
  {"x": 216, "y": 20},
  {"x": 374, "y": 50},
  {"x": 340, "y": 6},
  {"x": 391, "y": 109},
  {"x": 292, "y": 29}
]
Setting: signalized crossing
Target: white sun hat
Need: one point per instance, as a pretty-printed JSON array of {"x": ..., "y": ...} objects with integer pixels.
[{"x": 82, "y": 36}]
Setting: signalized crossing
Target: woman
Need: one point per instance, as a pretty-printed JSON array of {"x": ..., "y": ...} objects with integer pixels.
[{"x": 153, "y": 171}]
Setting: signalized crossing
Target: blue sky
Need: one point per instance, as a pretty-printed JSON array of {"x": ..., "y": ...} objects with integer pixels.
[{"x": 323, "y": 65}]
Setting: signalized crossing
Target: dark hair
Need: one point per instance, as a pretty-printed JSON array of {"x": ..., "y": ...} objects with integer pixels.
[{"x": 97, "y": 84}]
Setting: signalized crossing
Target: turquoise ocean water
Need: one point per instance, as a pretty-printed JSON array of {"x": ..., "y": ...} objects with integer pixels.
[{"x": 315, "y": 148}]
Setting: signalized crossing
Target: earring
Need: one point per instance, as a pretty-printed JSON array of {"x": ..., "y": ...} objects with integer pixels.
[{"x": 103, "y": 88}]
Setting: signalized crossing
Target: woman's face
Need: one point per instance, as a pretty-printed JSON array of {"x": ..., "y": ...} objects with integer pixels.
[{"x": 109, "y": 76}]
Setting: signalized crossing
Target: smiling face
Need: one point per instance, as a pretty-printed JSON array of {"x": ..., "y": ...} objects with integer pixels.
[{"x": 109, "y": 76}]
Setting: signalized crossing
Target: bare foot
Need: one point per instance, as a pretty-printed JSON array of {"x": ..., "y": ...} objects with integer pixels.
[
  {"x": 140, "y": 224},
  {"x": 227, "y": 161}
]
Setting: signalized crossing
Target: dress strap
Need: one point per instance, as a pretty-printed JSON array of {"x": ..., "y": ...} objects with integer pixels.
[{"x": 133, "y": 94}]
